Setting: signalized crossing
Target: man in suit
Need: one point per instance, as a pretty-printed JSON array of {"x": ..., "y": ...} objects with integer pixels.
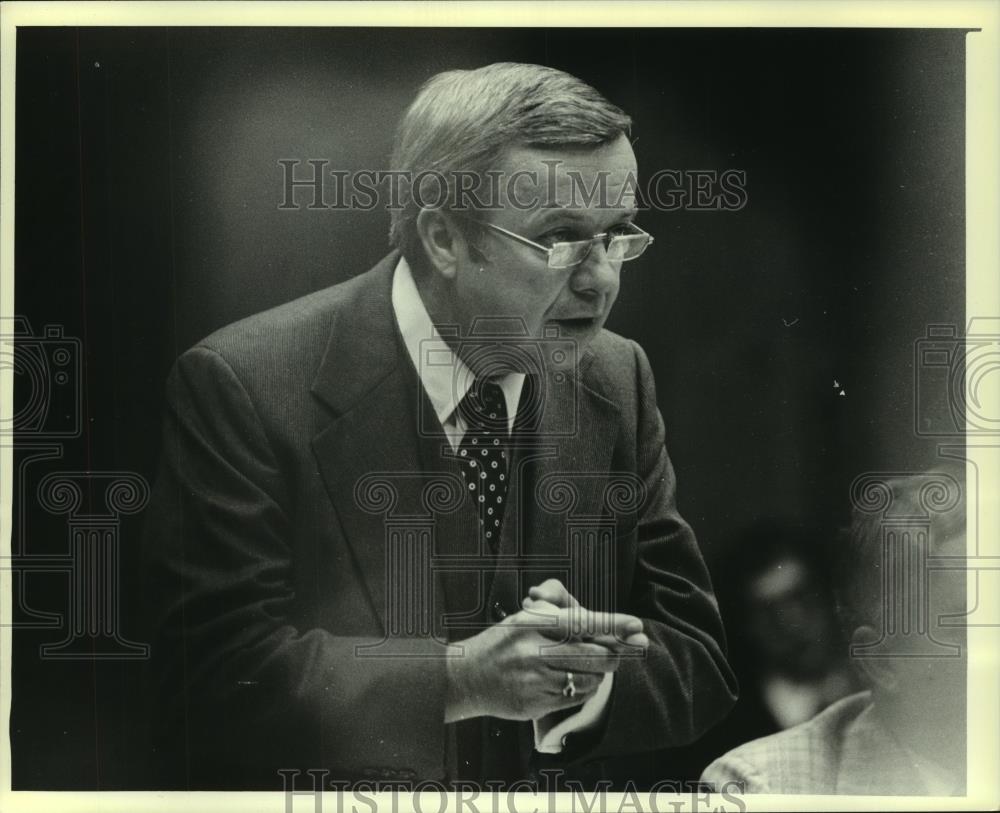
[
  {"x": 904, "y": 734},
  {"x": 421, "y": 525}
]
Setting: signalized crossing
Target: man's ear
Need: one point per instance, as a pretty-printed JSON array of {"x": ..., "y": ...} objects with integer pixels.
[
  {"x": 444, "y": 244},
  {"x": 878, "y": 671}
]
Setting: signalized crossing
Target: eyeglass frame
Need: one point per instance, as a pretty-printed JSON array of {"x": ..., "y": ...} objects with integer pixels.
[{"x": 604, "y": 237}]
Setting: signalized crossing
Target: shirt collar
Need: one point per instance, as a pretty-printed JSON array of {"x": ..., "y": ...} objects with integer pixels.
[{"x": 444, "y": 376}]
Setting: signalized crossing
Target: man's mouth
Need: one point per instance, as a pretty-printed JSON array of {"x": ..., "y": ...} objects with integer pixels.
[{"x": 577, "y": 322}]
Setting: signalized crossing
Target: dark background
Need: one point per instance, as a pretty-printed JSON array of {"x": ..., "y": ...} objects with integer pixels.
[{"x": 147, "y": 193}]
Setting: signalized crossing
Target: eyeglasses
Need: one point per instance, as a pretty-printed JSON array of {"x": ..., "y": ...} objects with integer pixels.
[{"x": 618, "y": 246}]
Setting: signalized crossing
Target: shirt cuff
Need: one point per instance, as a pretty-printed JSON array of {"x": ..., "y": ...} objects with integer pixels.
[{"x": 551, "y": 730}]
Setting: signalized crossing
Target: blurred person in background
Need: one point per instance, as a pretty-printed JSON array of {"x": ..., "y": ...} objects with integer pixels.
[
  {"x": 795, "y": 659},
  {"x": 904, "y": 733},
  {"x": 785, "y": 643}
]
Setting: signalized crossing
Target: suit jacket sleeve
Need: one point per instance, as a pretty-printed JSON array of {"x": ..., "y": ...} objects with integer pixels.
[
  {"x": 684, "y": 685},
  {"x": 242, "y": 687}
]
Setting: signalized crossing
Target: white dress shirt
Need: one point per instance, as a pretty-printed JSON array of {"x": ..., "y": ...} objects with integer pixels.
[
  {"x": 444, "y": 376},
  {"x": 446, "y": 380}
]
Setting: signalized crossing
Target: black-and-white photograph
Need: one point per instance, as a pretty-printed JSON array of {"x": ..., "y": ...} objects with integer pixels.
[{"x": 488, "y": 409}]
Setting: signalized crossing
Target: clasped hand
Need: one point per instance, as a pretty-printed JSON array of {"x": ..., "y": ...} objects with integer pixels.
[{"x": 516, "y": 669}]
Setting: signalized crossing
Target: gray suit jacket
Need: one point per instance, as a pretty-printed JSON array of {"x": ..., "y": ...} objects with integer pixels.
[{"x": 274, "y": 545}]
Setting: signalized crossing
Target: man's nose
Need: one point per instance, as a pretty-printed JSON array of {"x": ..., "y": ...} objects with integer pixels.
[{"x": 596, "y": 275}]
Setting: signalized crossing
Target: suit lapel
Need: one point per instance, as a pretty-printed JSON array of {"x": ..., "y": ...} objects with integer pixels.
[{"x": 367, "y": 450}]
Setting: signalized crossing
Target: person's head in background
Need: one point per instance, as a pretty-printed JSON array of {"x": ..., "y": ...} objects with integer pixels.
[
  {"x": 904, "y": 614},
  {"x": 528, "y": 139},
  {"x": 784, "y": 605}
]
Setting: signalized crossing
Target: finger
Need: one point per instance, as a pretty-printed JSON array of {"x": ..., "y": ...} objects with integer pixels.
[
  {"x": 580, "y": 663},
  {"x": 538, "y": 613},
  {"x": 554, "y": 592},
  {"x": 640, "y": 640},
  {"x": 557, "y": 701},
  {"x": 637, "y": 640},
  {"x": 545, "y": 605},
  {"x": 578, "y": 622},
  {"x": 554, "y": 623},
  {"x": 580, "y": 657},
  {"x": 563, "y": 703},
  {"x": 631, "y": 644},
  {"x": 584, "y": 683}
]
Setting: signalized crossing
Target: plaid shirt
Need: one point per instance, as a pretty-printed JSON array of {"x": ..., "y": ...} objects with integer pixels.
[{"x": 842, "y": 750}]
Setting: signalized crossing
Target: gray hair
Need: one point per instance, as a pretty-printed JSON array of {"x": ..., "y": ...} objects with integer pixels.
[{"x": 463, "y": 121}]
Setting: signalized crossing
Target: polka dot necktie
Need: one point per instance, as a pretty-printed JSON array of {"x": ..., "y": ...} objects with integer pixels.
[{"x": 483, "y": 455}]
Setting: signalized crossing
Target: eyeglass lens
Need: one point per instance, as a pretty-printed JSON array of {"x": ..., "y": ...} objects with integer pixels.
[{"x": 619, "y": 249}]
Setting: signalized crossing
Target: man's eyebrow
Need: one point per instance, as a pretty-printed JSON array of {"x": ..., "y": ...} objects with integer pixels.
[{"x": 557, "y": 212}]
